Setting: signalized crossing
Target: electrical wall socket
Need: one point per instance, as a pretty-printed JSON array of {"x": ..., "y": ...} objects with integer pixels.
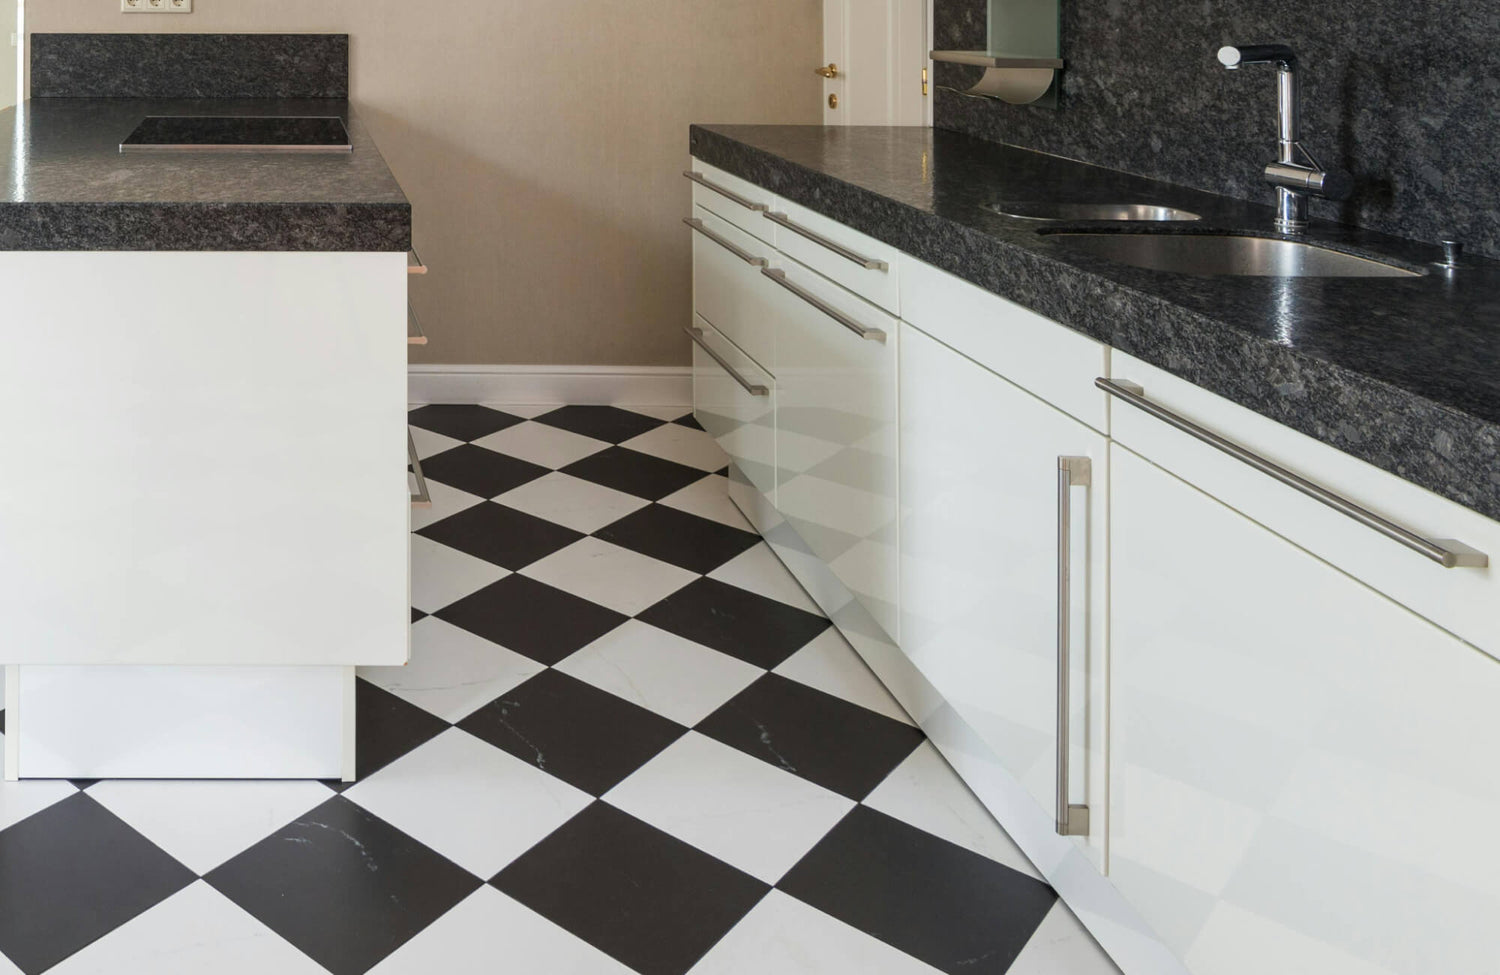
[{"x": 156, "y": 6}]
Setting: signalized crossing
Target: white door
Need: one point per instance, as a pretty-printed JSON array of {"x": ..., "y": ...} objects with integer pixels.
[
  {"x": 979, "y": 569},
  {"x": 1303, "y": 772},
  {"x": 879, "y": 48}
]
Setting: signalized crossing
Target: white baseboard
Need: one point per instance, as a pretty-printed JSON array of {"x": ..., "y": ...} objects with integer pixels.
[{"x": 577, "y": 385}]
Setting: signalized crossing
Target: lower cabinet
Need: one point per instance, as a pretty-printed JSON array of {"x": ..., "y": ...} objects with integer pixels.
[
  {"x": 734, "y": 400},
  {"x": 1303, "y": 772},
  {"x": 983, "y": 499}
]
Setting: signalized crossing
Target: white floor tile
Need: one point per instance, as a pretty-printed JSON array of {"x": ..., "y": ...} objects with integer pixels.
[
  {"x": 452, "y": 672},
  {"x": 473, "y": 803},
  {"x": 681, "y": 444},
  {"x": 787, "y": 937},
  {"x": 195, "y": 930},
  {"x": 571, "y": 501},
  {"x": 744, "y": 811},
  {"x": 21, "y": 799},
  {"x": 925, "y": 792},
  {"x": 429, "y": 443},
  {"x": 7, "y": 967},
  {"x": 1062, "y": 946},
  {"x": 542, "y": 444},
  {"x": 660, "y": 671},
  {"x": 204, "y": 823},
  {"x": 445, "y": 501},
  {"x": 708, "y": 498},
  {"x": 489, "y": 933},
  {"x": 625, "y": 581},
  {"x": 441, "y": 575},
  {"x": 830, "y": 664},
  {"x": 760, "y": 571}
]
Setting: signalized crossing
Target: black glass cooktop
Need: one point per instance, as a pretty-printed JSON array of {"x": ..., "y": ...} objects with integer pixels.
[{"x": 239, "y": 133}]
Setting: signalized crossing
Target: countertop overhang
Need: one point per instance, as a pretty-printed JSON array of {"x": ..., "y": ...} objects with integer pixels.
[
  {"x": 1401, "y": 373},
  {"x": 65, "y": 185}
]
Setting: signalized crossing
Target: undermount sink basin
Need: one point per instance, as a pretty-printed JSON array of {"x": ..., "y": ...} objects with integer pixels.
[
  {"x": 1216, "y": 254},
  {"x": 1091, "y": 211}
]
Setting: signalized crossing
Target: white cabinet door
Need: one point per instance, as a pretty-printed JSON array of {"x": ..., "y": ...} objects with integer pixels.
[
  {"x": 1304, "y": 774},
  {"x": 735, "y": 402},
  {"x": 728, "y": 289},
  {"x": 836, "y": 433},
  {"x": 979, "y": 568}
]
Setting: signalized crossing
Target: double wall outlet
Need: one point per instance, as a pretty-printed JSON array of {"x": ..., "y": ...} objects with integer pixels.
[{"x": 156, "y": 6}]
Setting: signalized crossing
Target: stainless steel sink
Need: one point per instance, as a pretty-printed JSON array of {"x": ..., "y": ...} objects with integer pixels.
[
  {"x": 1091, "y": 211},
  {"x": 1216, "y": 254}
]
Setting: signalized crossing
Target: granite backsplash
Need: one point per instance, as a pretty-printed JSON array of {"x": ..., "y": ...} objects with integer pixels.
[{"x": 1401, "y": 94}]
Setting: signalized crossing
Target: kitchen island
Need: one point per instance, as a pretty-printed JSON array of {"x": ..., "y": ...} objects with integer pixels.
[{"x": 204, "y": 527}]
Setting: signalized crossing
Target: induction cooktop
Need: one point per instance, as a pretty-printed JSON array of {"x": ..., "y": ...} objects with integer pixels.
[{"x": 238, "y": 133}]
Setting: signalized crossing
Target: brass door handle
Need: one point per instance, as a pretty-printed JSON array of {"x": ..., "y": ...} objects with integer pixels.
[{"x": 831, "y": 70}]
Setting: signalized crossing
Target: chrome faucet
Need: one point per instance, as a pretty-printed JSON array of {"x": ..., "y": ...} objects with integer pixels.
[{"x": 1295, "y": 173}]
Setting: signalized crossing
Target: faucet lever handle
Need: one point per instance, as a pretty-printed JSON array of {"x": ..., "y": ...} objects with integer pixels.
[{"x": 1234, "y": 55}]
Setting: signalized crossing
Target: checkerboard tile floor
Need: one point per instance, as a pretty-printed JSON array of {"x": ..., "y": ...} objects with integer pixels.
[{"x": 626, "y": 742}]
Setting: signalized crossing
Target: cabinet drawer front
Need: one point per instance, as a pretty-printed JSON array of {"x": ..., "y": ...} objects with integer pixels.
[
  {"x": 741, "y": 420},
  {"x": 862, "y": 264},
  {"x": 1300, "y": 767},
  {"x": 1461, "y": 600},
  {"x": 728, "y": 290},
  {"x": 726, "y": 195},
  {"x": 836, "y": 435},
  {"x": 1036, "y": 353}
]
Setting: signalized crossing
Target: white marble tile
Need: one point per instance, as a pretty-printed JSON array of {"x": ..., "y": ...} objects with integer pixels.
[
  {"x": 429, "y": 443},
  {"x": 204, "y": 823},
  {"x": 475, "y": 804},
  {"x": 8, "y": 967},
  {"x": 571, "y": 501},
  {"x": 746, "y": 812},
  {"x": 21, "y": 799},
  {"x": 625, "y": 581},
  {"x": 488, "y": 933},
  {"x": 194, "y": 931},
  {"x": 452, "y": 672},
  {"x": 445, "y": 501},
  {"x": 830, "y": 664},
  {"x": 925, "y": 792},
  {"x": 1062, "y": 946},
  {"x": 783, "y": 936},
  {"x": 441, "y": 575},
  {"x": 682, "y": 444},
  {"x": 541, "y": 444},
  {"x": 708, "y": 498},
  {"x": 661, "y": 671},
  {"x": 760, "y": 571}
]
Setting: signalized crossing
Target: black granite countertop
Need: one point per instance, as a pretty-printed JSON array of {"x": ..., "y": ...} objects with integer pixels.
[
  {"x": 1401, "y": 372},
  {"x": 64, "y": 184}
]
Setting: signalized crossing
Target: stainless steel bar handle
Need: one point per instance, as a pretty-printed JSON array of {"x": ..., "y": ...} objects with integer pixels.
[
  {"x": 414, "y": 263},
  {"x": 726, "y": 193},
  {"x": 754, "y": 389},
  {"x": 1444, "y": 551},
  {"x": 779, "y": 276},
  {"x": 781, "y": 219},
  {"x": 414, "y": 333},
  {"x": 725, "y": 243},
  {"x": 421, "y": 497},
  {"x": 1072, "y": 820}
]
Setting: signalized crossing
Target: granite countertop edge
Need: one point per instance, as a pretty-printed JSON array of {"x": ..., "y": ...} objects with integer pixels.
[{"x": 1439, "y": 447}]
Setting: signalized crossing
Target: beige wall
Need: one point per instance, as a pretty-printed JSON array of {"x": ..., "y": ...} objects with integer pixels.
[
  {"x": 8, "y": 54},
  {"x": 540, "y": 143}
]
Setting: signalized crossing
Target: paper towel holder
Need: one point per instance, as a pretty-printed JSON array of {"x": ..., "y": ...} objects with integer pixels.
[{"x": 1009, "y": 78}]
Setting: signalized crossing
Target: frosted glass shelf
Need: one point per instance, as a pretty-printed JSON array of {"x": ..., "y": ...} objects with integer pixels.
[{"x": 986, "y": 59}]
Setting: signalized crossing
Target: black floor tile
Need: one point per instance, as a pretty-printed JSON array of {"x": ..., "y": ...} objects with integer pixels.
[
  {"x": 677, "y": 537},
  {"x": 608, "y": 423},
  {"x": 689, "y": 420},
  {"x": 825, "y": 739},
  {"x": 634, "y": 473},
  {"x": 345, "y": 887},
  {"x": 649, "y": 900},
  {"x": 532, "y": 618},
  {"x": 385, "y": 728},
  {"x": 742, "y": 624},
  {"x": 958, "y": 911},
  {"x": 476, "y": 470},
  {"x": 461, "y": 422},
  {"x": 499, "y": 534},
  {"x": 589, "y": 738},
  {"x": 71, "y": 874}
]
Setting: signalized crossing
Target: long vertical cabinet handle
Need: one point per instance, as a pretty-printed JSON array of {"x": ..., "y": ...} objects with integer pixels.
[
  {"x": 421, "y": 498},
  {"x": 1072, "y": 820}
]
